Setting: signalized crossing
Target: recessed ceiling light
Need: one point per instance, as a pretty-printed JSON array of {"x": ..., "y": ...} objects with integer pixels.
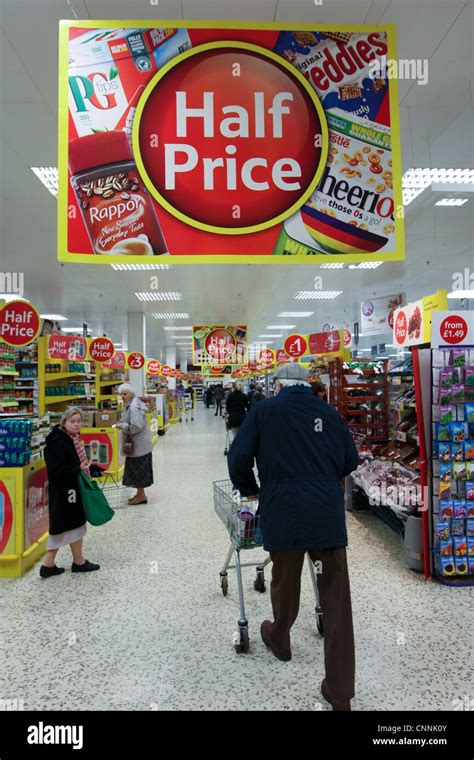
[
  {"x": 180, "y": 327},
  {"x": 270, "y": 336},
  {"x": 316, "y": 295},
  {"x": 48, "y": 175},
  {"x": 56, "y": 317},
  {"x": 414, "y": 181},
  {"x": 461, "y": 294},
  {"x": 10, "y": 297},
  {"x": 452, "y": 202},
  {"x": 74, "y": 329},
  {"x": 332, "y": 266},
  {"x": 280, "y": 327},
  {"x": 295, "y": 314},
  {"x": 153, "y": 295},
  {"x": 128, "y": 267},
  {"x": 171, "y": 315}
]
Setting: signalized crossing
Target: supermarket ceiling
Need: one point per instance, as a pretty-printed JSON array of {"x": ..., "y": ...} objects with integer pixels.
[{"x": 436, "y": 131}]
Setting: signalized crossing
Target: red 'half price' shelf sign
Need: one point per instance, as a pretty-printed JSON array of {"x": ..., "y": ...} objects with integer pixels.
[{"x": 19, "y": 323}]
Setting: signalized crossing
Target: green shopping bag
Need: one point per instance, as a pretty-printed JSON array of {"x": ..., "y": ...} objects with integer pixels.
[{"x": 97, "y": 509}]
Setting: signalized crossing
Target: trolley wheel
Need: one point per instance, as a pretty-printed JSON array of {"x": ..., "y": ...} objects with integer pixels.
[
  {"x": 319, "y": 622},
  {"x": 224, "y": 584},
  {"x": 259, "y": 582},
  {"x": 242, "y": 646}
]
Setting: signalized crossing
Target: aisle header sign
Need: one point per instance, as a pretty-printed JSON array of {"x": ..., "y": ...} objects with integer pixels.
[
  {"x": 412, "y": 323},
  {"x": 181, "y": 137},
  {"x": 376, "y": 314},
  {"x": 452, "y": 328},
  {"x": 219, "y": 344}
]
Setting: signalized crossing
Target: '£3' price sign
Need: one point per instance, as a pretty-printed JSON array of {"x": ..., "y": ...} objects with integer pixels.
[{"x": 136, "y": 360}]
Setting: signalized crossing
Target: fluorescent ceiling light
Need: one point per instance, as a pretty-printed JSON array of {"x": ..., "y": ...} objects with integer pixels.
[
  {"x": 153, "y": 295},
  {"x": 270, "y": 336},
  {"x": 280, "y": 327},
  {"x": 134, "y": 267},
  {"x": 317, "y": 295},
  {"x": 56, "y": 317},
  {"x": 181, "y": 327},
  {"x": 171, "y": 315},
  {"x": 332, "y": 266},
  {"x": 461, "y": 294},
  {"x": 452, "y": 202},
  {"x": 48, "y": 175},
  {"x": 295, "y": 314},
  {"x": 73, "y": 329}
]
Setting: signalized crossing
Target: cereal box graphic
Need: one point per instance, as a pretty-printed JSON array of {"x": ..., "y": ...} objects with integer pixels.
[{"x": 348, "y": 71}]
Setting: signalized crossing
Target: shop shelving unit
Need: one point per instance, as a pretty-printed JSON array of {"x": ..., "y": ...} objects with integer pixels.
[
  {"x": 64, "y": 378},
  {"x": 371, "y": 391},
  {"x": 106, "y": 384}
]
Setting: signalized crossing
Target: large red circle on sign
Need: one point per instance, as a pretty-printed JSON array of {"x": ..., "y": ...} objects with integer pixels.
[
  {"x": 220, "y": 344},
  {"x": 347, "y": 337},
  {"x": 101, "y": 349},
  {"x": 154, "y": 367},
  {"x": 136, "y": 360},
  {"x": 453, "y": 329},
  {"x": 295, "y": 345},
  {"x": 19, "y": 323},
  {"x": 252, "y": 145},
  {"x": 401, "y": 328},
  {"x": 165, "y": 370}
]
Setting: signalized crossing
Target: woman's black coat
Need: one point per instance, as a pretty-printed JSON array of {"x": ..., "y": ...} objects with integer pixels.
[
  {"x": 65, "y": 503},
  {"x": 237, "y": 405}
]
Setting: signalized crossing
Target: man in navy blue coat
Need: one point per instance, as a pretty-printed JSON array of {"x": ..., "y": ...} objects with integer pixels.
[{"x": 303, "y": 450}]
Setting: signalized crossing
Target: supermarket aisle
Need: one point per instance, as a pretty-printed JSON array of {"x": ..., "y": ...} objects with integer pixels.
[{"x": 151, "y": 629}]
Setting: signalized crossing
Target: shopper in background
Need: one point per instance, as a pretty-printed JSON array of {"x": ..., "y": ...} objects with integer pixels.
[
  {"x": 319, "y": 389},
  {"x": 218, "y": 398},
  {"x": 236, "y": 407},
  {"x": 138, "y": 471},
  {"x": 303, "y": 450},
  {"x": 65, "y": 457},
  {"x": 257, "y": 396},
  {"x": 208, "y": 396},
  {"x": 250, "y": 393}
]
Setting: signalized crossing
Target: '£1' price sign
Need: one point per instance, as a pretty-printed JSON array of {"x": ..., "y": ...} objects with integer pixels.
[{"x": 296, "y": 345}]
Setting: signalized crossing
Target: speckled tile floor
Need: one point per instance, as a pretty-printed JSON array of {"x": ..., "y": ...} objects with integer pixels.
[{"x": 152, "y": 631}]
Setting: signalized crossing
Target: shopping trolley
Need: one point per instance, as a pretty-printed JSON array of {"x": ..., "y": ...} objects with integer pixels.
[
  {"x": 227, "y": 435},
  {"x": 242, "y": 522},
  {"x": 116, "y": 494},
  {"x": 188, "y": 408}
]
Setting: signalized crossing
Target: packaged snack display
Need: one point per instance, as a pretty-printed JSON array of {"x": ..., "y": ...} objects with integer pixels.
[
  {"x": 457, "y": 431},
  {"x": 459, "y": 357},
  {"x": 447, "y": 414},
  {"x": 443, "y": 432},
  {"x": 470, "y": 490},
  {"x": 457, "y": 527},
  {"x": 446, "y": 509},
  {"x": 445, "y": 398},
  {"x": 461, "y": 565},
  {"x": 445, "y": 472},
  {"x": 446, "y": 566},
  {"x": 469, "y": 450},
  {"x": 469, "y": 412},
  {"x": 446, "y": 548},
  {"x": 459, "y": 471},
  {"x": 457, "y": 393},
  {"x": 444, "y": 452},
  {"x": 460, "y": 509},
  {"x": 470, "y": 508},
  {"x": 470, "y": 562},
  {"x": 442, "y": 530},
  {"x": 445, "y": 489},
  {"x": 457, "y": 452},
  {"x": 470, "y": 547},
  {"x": 470, "y": 527},
  {"x": 460, "y": 546},
  {"x": 446, "y": 378}
]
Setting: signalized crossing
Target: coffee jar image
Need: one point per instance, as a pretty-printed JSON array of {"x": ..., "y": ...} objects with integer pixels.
[{"x": 115, "y": 205}]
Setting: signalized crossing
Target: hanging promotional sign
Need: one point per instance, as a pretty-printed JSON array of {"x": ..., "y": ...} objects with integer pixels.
[
  {"x": 219, "y": 344},
  {"x": 296, "y": 345},
  {"x": 412, "y": 323},
  {"x": 101, "y": 349},
  {"x": 377, "y": 313},
  {"x": 153, "y": 367},
  {"x": 67, "y": 347},
  {"x": 326, "y": 342},
  {"x": 165, "y": 370},
  {"x": 283, "y": 358},
  {"x": 267, "y": 357},
  {"x": 135, "y": 360},
  {"x": 291, "y": 130},
  {"x": 20, "y": 323},
  {"x": 452, "y": 328},
  {"x": 118, "y": 361}
]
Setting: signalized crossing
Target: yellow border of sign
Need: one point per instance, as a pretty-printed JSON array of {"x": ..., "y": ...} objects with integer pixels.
[
  {"x": 277, "y": 59},
  {"x": 350, "y": 258},
  {"x": 30, "y": 340}
]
